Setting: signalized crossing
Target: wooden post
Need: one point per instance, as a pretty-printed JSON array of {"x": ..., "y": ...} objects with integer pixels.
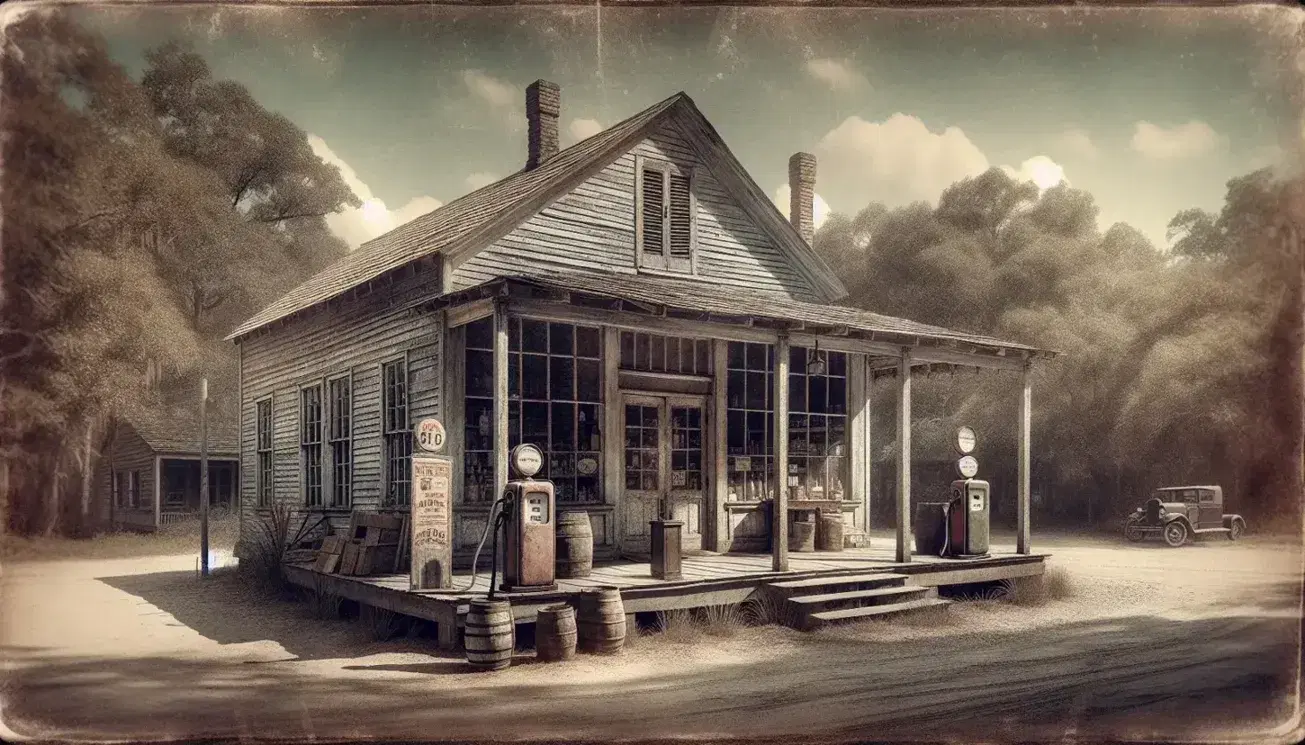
[
  {"x": 203, "y": 477},
  {"x": 904, "y": 456},
  {"x": 500, "y": 398},
  {"x": 779, "y": 518},
  {"x": 858, "y": 439},
  {"x": 1022, "y": 508},
  {"x": 720, "y": 446}
]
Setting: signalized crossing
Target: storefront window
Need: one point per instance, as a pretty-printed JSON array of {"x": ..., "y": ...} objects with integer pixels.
[
  {"x": 750, "y": 420},
  {"x": 817, "y": 424},
  {"x": 817, "y": 462},
  {"x": 554, "y": 402}
]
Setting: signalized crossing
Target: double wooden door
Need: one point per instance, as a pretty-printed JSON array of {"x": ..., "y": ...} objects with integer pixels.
[{"x": 664, "y": 462}]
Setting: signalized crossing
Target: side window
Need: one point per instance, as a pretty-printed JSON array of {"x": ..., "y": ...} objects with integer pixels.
[{"x": 1207, "y": 496}]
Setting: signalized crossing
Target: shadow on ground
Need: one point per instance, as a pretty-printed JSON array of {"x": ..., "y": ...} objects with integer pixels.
[
  {"x": 226, "y": 610},
  {"x": 1092, "y": 679}
]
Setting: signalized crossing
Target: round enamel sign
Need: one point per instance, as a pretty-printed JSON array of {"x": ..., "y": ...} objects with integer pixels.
[
  {"x": 965, "y": 440},
  {"x": 526, "y": 460},
  {"x": 430, "y": 435},
  {"x": 967, "y": 466}
]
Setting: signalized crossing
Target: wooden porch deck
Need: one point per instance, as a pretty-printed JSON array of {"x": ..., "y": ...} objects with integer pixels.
[{"x": 708, "y": 579}]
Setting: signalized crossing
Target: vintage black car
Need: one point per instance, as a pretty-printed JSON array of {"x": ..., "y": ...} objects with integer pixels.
[{"x": 1180, "y": 513}]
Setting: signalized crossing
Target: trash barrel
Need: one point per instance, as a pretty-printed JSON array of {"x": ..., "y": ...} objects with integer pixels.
[{"x": 930, "y": 527}]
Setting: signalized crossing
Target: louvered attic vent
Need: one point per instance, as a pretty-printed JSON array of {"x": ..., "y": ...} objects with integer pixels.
[{"x": 666, "y": 217}]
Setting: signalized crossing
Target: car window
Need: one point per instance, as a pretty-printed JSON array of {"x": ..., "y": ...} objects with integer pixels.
[
  {"x": 1189, "y": 495},
  {"x": 1207, "y": 495}
]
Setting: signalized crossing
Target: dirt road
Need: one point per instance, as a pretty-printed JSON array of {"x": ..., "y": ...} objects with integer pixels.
[{"x": 1156, "y": 643}]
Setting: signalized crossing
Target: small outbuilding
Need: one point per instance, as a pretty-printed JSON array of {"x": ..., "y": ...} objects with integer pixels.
[{"x": 150, "y": 472}]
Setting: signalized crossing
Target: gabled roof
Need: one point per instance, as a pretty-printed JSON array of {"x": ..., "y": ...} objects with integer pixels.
[
  {"x": 680, "y": 298},
  {"x": 480, "y": 217},
  {"x": 179, "y": 432}
]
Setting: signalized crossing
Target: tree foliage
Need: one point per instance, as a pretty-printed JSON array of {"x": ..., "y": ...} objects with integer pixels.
[
  {"x": 142, "y": 220},
  {"x": 1178, "y": 366}
]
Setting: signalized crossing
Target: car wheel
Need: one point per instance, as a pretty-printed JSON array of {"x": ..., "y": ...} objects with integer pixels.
[
  {"x": 1133, "y": 531},
  {"x": 1236, "y": 531},
  {"x": 1175, "y": 533}
]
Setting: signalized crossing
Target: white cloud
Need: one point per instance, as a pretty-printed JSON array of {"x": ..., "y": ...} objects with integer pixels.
[
  {"x": 1171, "y": 143},
  {"x": 896, "y": 162},
  {"x": 373, "y": 218},
  {"x": 839, "y": 75},
  {"x": 480, "y": 178},
  {"x": 584, "y": 128},
  {"x": 490, "y": 89},
  {"x": 1041, "y": 170},
  {"x": 819, "y": 207},
  {"x": 1077, "y": 142}
]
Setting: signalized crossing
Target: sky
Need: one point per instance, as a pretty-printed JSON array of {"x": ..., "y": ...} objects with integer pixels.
[{"x": 1151, "y": 111}]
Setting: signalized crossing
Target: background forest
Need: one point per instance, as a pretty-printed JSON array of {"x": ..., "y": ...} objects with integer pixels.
[{"x": 145, "y": 218}]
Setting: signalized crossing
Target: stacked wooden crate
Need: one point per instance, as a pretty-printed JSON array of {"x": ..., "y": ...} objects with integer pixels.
[{"x": 372, "y": 544}]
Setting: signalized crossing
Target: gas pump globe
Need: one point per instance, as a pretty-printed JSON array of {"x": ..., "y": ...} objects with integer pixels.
[{"x": 529, "y": 550}]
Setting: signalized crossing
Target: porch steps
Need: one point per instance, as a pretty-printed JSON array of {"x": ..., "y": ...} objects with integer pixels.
[{"x": 812, "y": 603}]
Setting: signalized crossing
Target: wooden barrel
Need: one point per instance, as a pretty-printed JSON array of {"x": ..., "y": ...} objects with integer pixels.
[
  {"x": 802, "y": 536},
  {"x": 490, "y": 634},
  {"x": 830, "y": 537},
  {"x": 600, "y": 621},
  {"x": 555, "y": 633},
  {"x": 575, "y": 545}
]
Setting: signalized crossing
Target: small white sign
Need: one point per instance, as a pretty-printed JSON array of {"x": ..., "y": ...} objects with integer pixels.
[
  {"x": 430, "y": 435},
  {"x": 527, "y": 460},
  {"x": 967, "y": 466},
  {"x": 965, "y": 440}
]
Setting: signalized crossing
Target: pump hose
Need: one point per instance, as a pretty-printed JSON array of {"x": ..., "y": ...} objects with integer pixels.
[
  {"x": 489, "y": 525},
  {"x": 947, "y": 528}
]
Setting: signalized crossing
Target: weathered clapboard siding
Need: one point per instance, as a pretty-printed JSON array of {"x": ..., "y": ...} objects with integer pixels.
[
  {"x": 354, "y": 337},
  {"x": 128, "y": 452},
  {"x": 593, "y": 228}
]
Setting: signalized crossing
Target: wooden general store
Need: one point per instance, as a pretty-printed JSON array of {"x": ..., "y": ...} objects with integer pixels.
[{"x": 636, "y": 307}]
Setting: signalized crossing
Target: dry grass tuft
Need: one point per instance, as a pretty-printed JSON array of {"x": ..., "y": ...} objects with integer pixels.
[
  {"x": 678, "y": 626},
  {"x": 326, "y": 604},
  {"x": 1054, "y": 584},
  {"x": 765, "y": 608},
  {"x": 721, "y": 620},
  {"x": 382, "y": 623}
]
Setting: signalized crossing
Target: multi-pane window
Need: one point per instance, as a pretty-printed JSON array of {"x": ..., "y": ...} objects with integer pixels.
[
  {"x": 133, "y": 489},
  {"x": 263, "y": 476},
  {"x": 686, "y": 448},
  {"x": 642, "y": 449},
  {"x": 666, "y": 354},
  {"x": 750, "y": 419},
  {"x": 397, "y": 434},
  {"x": 554, "y": 393},
  {"x": 310, "y": 443},
  {"x": 340, "y": 432},
  {"x": 817, "y": 424},
  {"x": 665, "y": 230}
]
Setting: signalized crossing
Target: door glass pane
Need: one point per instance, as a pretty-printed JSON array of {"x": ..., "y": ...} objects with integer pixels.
[
  {"x": 686, "y": 448},
  {"x": 641, "y": 451}
]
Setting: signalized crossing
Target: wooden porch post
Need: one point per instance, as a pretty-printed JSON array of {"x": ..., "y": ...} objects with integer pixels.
[
  {"x": 779, "y": 519},
  {"x": 500, "y": 398},
  {"x": 1022, "y": 508},
  {"x": 720, "y": 446},
  {"x": 904, "y": 456}
]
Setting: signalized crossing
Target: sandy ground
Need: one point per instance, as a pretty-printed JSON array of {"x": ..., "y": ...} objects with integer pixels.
[{"x": 1156, "y": 643}]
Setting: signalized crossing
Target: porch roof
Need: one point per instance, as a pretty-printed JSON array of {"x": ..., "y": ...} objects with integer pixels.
[{"x": 664, "y": 297}]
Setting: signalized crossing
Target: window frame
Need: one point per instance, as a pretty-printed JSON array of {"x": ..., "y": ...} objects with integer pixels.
[
  {"x": 304, "y": 445},
  {"x": 388, "y": 434},
  {"x": 332, "y": 482},
  {"x": 133, "y": 489},
  {"x": 664, "y": 261},
  {"x": 264, "y": 479}
]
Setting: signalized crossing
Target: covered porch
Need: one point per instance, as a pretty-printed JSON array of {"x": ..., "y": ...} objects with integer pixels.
[{"x": 659, "y": 397}]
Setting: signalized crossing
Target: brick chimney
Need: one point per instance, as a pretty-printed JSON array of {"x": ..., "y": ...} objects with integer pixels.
[
  {"x": 543, "y": 107},
  {"x": 802, "y": 194}
]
